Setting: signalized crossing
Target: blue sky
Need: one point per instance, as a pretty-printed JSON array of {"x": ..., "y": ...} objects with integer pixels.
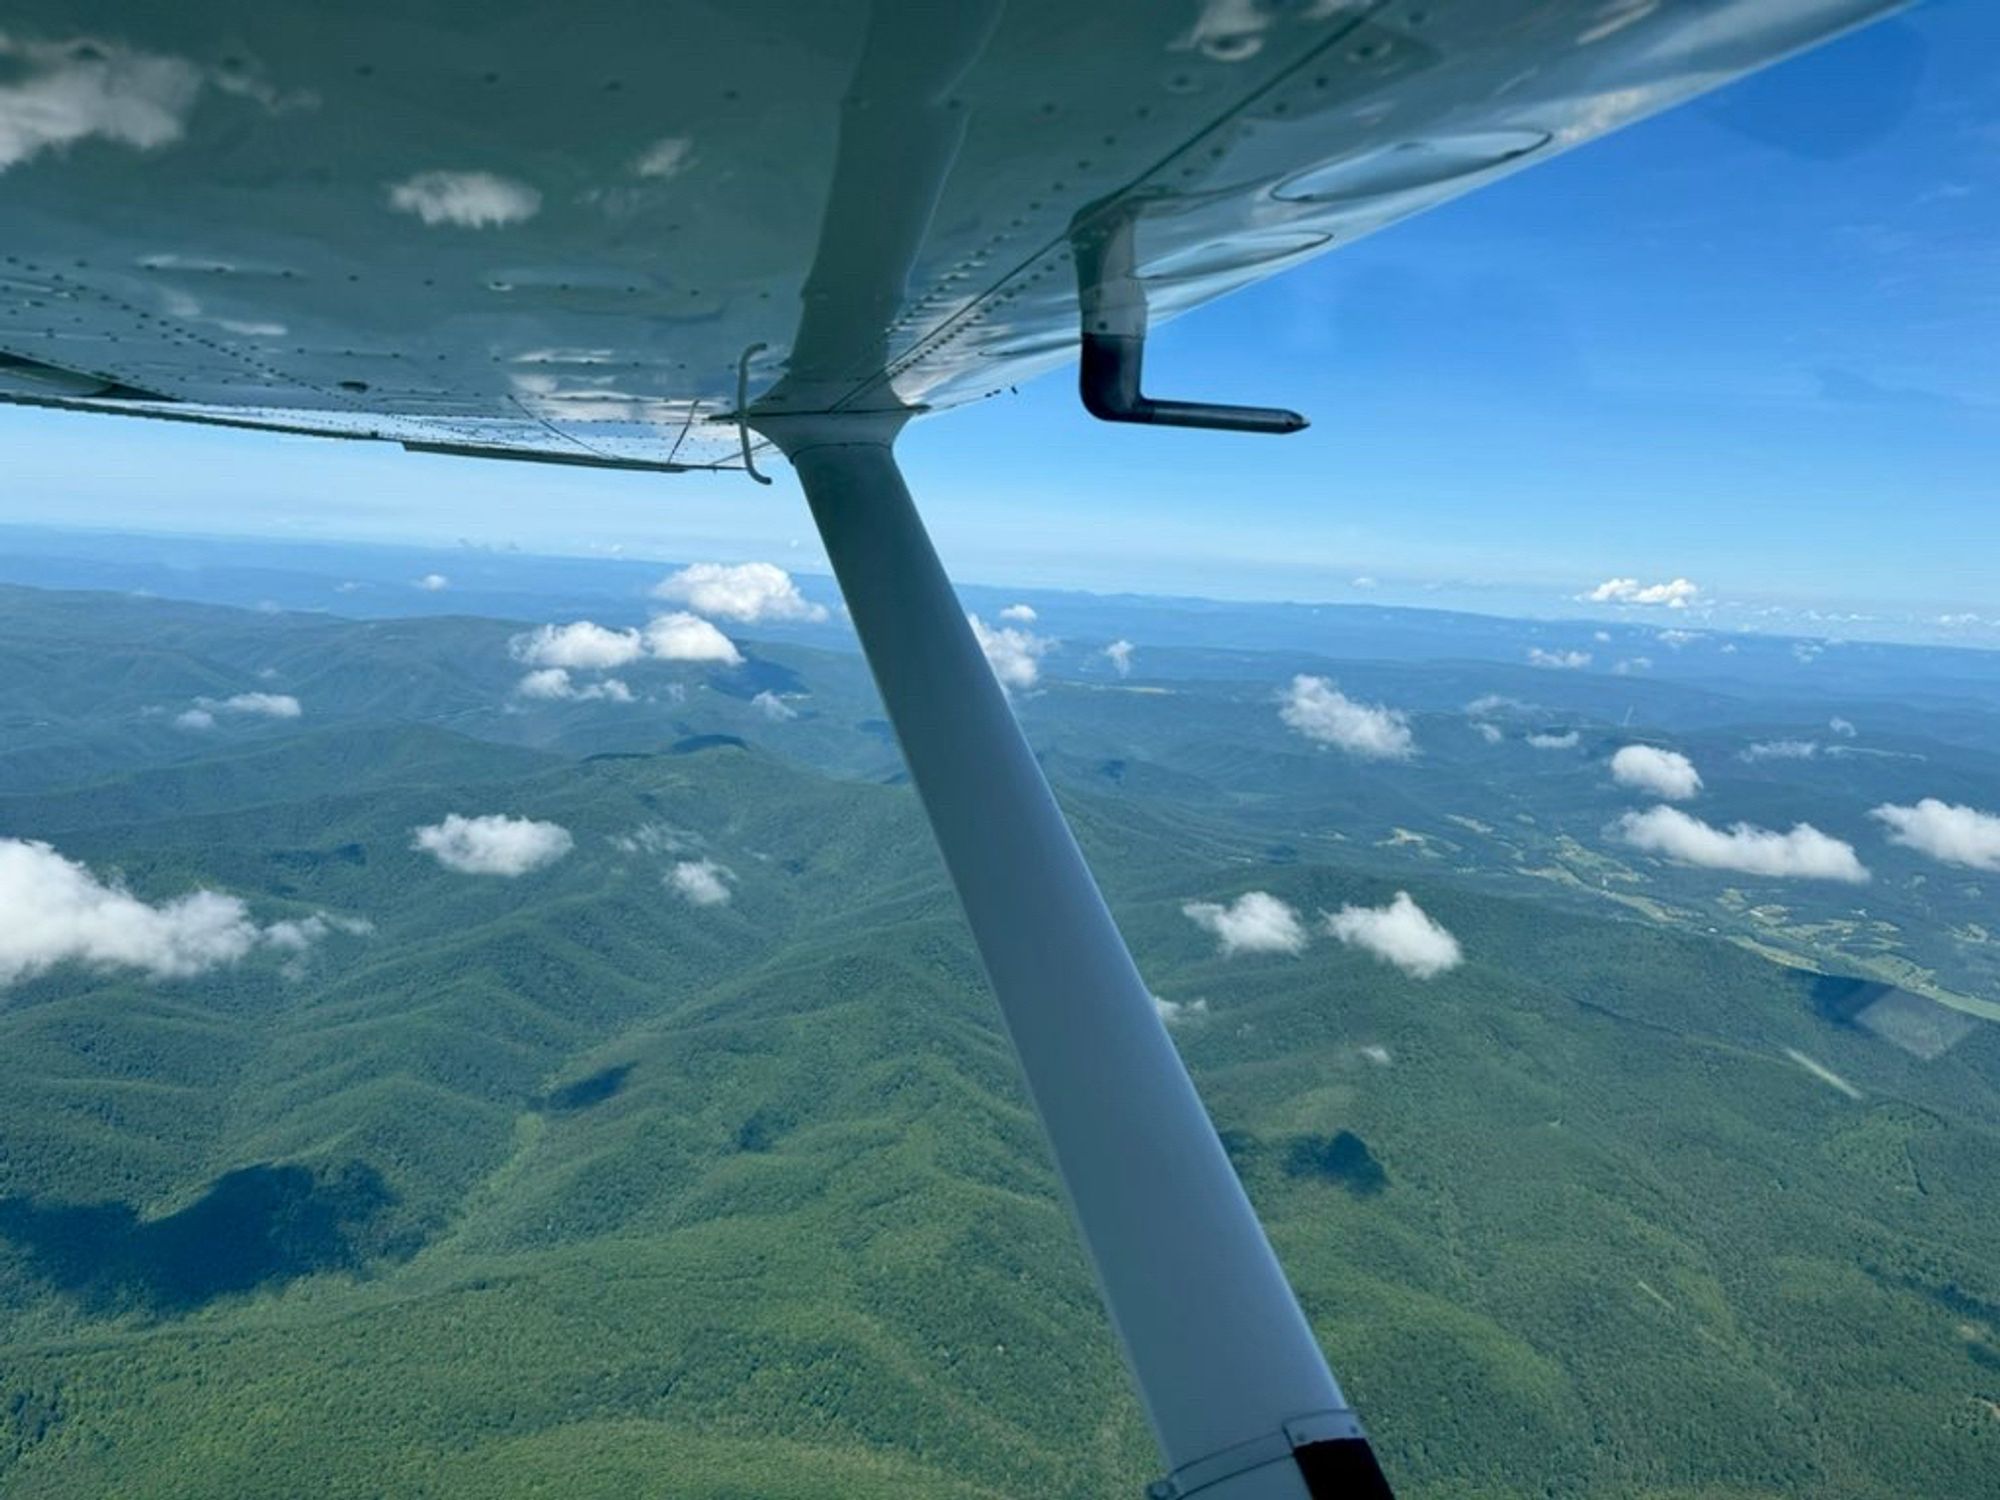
[{"x": 1751, "y": 343}]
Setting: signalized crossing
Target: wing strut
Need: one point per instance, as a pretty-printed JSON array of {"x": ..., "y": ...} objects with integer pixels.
[{"x": 1233, "y": 1382}]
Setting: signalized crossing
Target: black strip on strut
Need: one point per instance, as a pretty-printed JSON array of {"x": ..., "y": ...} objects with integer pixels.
[{"x": 1342, "y": 1469}]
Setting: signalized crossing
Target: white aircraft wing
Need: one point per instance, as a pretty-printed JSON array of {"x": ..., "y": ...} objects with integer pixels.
[{"x": 554, "y": 231}]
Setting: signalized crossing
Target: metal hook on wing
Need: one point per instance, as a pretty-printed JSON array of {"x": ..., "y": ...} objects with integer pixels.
[
  {"x": 1113, "y": 301},
  {"x": 743, "y": 411}
]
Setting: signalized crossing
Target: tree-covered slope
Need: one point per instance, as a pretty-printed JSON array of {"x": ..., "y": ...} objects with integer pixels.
[{"x": 564, "y": 1183}]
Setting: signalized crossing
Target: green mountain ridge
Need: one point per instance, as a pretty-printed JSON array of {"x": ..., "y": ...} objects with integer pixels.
[{"x": 563, "y": 1185}]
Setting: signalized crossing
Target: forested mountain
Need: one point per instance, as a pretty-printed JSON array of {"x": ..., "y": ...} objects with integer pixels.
[{"x": 598, "y": 1095}]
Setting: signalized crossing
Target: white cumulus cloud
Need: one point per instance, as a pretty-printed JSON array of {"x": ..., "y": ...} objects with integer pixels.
[
  {"x": 1255, "y": 922},
  {"x": 1947, "y": 831},
  {"x": 1320, "y": 711},
  {"x": 746, "y": 592},
  {"x": 1119, "y": 654},
  {"x": 1401, "y": 933},
  {"x": 772, "y": 707},
  {"x": 1780, "y": 750},
  {"x": 684, "y": 637},
  {"x": 701, "y": 882},
  {"x": 249, "y": 705},
  {"x": 554, "y": 684},
  {"x": 1175, "y": 1012},
  {"x": 1560, "y": 661},
  {"x": 1664, "y": 773},
  {"x": 492, "y": 844},
  {"x": 53, "y": 910},
  {"x": 433, "y": 583},
  {"x": 1803, "y": 854},
  {"x": 1014, "y": 655},
  {"x": 582, "y": 645},
  {"x": 1677, "y": 593},
  {"x": 1020, "y": 614},
  {"x": 257, "y": 705},
  {"x": 465, "y": 200},
  {"x": 1564, "y": 741}
]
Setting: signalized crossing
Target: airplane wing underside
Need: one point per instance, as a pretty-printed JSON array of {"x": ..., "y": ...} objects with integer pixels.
[{"x": 560, "y": 232}]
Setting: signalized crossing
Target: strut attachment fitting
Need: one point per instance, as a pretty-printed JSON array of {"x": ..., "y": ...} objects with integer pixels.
[{"x": 1113, "y": 301}]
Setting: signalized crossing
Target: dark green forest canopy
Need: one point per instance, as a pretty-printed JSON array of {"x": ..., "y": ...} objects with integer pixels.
[{"x": 1684, "y": 1184}]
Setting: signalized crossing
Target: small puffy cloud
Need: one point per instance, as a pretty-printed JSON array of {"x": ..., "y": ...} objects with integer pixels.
[
  {"x": 552, "y": 684},
  {"x": 1014, "y": 655},
  {"x": 465, "y": 200},
  {"x": 1841, "y": 727},
  {"x": 1559, "y": 661},
  {"x": 548, "y": 682},
  {"x": 297, "y": 936},
  {"x": 433, "y": 583},
  {"x": 247, "y": 705},
  {"x": 1320, "y": 711},
  {"x": 772, "y": 707},
  {"x": 1947, "y": 831},
  {"x": 1664, "y": 773},
  {"x": 1627, "y": 665},
  {"x": 53, "y": 910},
  {"x": 747, "y": 592},
  {"x": 1378, "y": 1054},
  {"x": 1496, "y": 703},
  {"x": 701, "y": 882},
  {"x": 1779, "y": 750},
  {"x": 1362, "y": 582},
  {"x": 1119, "y": 654},
  {"x": 256, "y": 705},
  {"x": 1255, "y": 922},
  {"x": 1678, "y": 638},
  {"x": 684, "y": 637},
  {"x": 1564, "y": 741},
  {"x": 1491, "y": 733},
  {"x": 1806, "y": 652},
  {"x": 492, "y": 844},
  {"x": 1401, "y": 933},
  {"x": 1020, "y": 614},
  {"x": 582, "y": 645},
  {"x": 1678, "y": 593},
  {"x": 655, "y": 838},
  {"x": 1802, "y": 854},
  {"x": 1177, "y": 1012}
]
